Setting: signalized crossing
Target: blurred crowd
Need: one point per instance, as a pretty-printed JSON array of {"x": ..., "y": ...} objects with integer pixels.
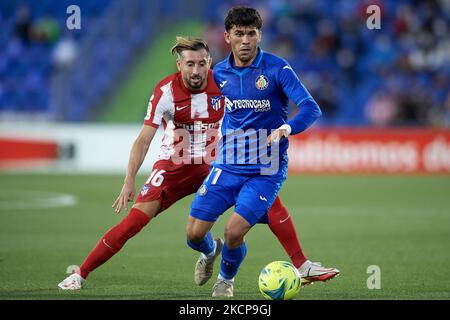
[
  {"x": 45, "y": 30},
  {"x": 35, "y": 42},
  {"x": 396, "y": 75}
]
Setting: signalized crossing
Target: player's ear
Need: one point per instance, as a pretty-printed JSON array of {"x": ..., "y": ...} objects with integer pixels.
[
  {"x": 226, "y": 35},
  {"x": 179, "y": 64},
  {"x": 259, "y": 36},
  {"x": 209, "y": 62}
]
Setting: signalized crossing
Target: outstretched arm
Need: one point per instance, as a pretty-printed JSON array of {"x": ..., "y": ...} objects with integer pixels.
[{"x": 137, "y": 156}]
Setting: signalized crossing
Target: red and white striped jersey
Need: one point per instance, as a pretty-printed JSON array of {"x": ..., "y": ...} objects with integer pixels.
[{"x": 191, "y": 119}]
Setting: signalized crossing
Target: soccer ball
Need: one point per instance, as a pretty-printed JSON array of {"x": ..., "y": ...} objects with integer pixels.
[{"x": 279, "y": 280}]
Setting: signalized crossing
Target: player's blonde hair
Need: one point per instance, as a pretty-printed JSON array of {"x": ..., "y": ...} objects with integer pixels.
[{"x": 188, "y": 43}]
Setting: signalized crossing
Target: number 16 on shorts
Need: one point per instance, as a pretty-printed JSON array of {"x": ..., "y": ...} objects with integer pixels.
[{"x": 156, "y": 178}]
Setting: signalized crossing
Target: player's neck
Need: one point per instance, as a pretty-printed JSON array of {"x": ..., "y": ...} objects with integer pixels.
[{"x": 240, "y": 64}]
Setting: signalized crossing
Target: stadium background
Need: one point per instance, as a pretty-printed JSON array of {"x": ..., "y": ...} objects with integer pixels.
[{"x": 368, "y": 184}]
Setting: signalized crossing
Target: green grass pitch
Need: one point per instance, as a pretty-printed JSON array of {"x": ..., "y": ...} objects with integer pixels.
[{"x": 399, "y": 223}]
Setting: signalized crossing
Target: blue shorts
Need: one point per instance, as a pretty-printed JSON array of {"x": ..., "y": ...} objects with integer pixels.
[{"x": 253, "y": 195}]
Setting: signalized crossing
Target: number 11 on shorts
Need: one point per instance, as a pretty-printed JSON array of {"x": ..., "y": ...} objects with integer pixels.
[{"x": 216, "y": 175}]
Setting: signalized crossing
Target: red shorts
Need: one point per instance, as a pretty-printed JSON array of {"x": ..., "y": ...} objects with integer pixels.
[{"x": 170, "y": 182}]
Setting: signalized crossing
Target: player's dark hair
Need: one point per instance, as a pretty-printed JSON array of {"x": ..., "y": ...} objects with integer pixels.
[
  {"x": 243, "y": 17},
  {"x": 189, "y": 43}
]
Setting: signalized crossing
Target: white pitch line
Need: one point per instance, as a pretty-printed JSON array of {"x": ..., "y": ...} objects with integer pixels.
[{"x": 21, "y": 200}]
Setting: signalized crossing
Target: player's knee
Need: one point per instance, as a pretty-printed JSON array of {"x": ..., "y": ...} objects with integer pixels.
[
  {"x": 233, "y": 237},
  {"x": 190, "y": 231},
  {"x": 194, "y": 234},
  {"x": 195, "y": 237},
  {"x": 196, "y": 230},
  {"x": 150, "y": 209}
]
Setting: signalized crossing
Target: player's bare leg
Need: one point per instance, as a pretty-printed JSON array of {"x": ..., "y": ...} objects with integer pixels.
[
  {"x": 199, "y": 238},
  {"x": 151, "y": 208},
  {"x": 112, "y": 241}
]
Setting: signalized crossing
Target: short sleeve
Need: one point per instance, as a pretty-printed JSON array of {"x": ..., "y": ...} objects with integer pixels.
[{"x": 160, "y": 103}]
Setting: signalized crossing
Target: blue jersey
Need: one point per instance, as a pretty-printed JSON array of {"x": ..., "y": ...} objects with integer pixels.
[{"x": 256, "y": 102}]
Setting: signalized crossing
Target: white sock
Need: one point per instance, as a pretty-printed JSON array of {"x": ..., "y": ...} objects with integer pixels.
[
  {"x": 222, "y": 278},
  {"x": 210, "y": 255}
]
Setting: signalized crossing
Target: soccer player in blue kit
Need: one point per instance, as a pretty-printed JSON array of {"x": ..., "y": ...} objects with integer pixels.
[{"x": 257, "y": 87}]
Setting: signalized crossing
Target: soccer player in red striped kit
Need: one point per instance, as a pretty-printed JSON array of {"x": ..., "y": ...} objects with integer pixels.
[{"x": 188, "y": 104}]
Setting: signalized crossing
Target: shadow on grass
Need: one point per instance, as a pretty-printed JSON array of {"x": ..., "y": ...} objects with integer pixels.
[{"x": 96, "y": 294}]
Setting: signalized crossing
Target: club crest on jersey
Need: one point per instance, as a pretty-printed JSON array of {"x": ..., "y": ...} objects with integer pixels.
[
  {"x": 202, "y": 191},
  {"x": 216, "y": 102},
  {"x": 262, "y": 82},
  {"x": 144, "y": 190}
]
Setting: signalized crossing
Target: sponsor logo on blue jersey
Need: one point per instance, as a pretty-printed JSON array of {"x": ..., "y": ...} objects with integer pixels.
[{"x": 256, "y": 105}]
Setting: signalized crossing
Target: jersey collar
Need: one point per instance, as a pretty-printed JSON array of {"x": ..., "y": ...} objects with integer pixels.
[{"x": 255, "y": 63}]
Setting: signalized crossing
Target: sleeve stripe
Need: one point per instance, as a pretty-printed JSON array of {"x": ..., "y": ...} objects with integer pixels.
[
  {"x": 152, "y": 125},
  {"x": 159, "y": 105},
  {"x": 303, "y": 100}
]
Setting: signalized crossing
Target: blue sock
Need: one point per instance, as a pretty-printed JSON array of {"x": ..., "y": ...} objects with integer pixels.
[
  {"x": 231, "y": 260},
  {"x": 205, "y": 246}
]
